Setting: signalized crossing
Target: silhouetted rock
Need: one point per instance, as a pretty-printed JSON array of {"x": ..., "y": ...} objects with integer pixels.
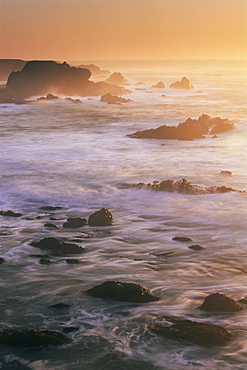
[
  {"x": 182, "y": 239},
  {"x": 39, "y": 78},
  {"x": 31, "y": 338},
  {"x": 218, "y": 302},
  {"x": 188, "y": 130},
  {"x": 10, "y": 65},
  {"x": 199, "y": 333},
  {"x": 95, "y": 70},
  {"x": 113, "y": 99},
  {"x": 127, "y": 292},
  {"x": 159, "y": 85},
  {"x": 116, "y": 79},
  {"x": 59, "y": 306},
  {"x": 2, "y": 260},
  {"x": 183, "y": 84},
  {"x": 74, "y": 222},
  {"x": 196, "y": 247},
  {"x": 10, "y": 214},
  {"x": 48, "y": 97},
  {"x": 50, "y": 225},
  {"x": 73, "y": 261},
  {"x": 50, "y": 208},
  {"x": 45, "y": 261},
  {"x": 181, "y": 186},
  {"x": 57, "y": 247},
  {"x": 103, "y": 217}
]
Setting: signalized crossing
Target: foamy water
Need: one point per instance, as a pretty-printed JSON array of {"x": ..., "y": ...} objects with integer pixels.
[{"x": 76, "y": 156}]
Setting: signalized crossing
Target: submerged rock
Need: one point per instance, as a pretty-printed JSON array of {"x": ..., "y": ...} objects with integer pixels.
[
  {"x": 113, "y": 99},
  {"x": 50, "y": 225},
  {"x": 31, "y": 338},
  {"x": 44, "y": 261},
  {"x": 126, "y": 292},
  {"x": 72, "y": 261},
  {"x": 57, "y": 247},
  {"x": 59, "y": 306},
  {"x": 74, "y": 222},
  {"x": 10, "y": 214},
  {"x": 196, "y": 247},
  {"x": 183, "y": 84},
  {"x": 182, "y": 239},
  {"x": 159, "y": 85},
  {"x": 103, "y": 217},
  {"x": 50, "y": 208},
  {"x": 195, "y": 332},
  {"x": 218, "y": 302},
  {"x": 2, "y": 260},
  {"x": 188, "y": 130},
  {"x": 181, "y": 186}
]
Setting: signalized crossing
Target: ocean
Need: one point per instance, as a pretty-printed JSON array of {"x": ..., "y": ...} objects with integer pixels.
[{"x": 77, "y": 156}]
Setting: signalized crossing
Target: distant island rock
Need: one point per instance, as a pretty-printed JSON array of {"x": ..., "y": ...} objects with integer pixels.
[
  {"x": 183, "y": 84},
  {"x": 40, "y": 78},
  {"x": 188, "y": 130},
  {"x": 95, "y": 70},
  {"x": 113, "y": 99},
  {"x": 159, "y": 85},
  {"x": 10, "y": 65},
  {"x": 116, "y": 79}
]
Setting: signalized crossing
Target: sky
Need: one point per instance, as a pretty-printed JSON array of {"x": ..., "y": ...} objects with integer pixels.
[{"x": 123, "y": 29}]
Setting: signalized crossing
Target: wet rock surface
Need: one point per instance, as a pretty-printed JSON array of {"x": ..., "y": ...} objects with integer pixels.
[
  {"x": 181, "y": 186},
  {"x": 57, "y": 247},
  {"x": 10, "y": 214},
  {"x": 103, "y": 217},
  {"x": 126, "y": 292},
  {"x": 30, "y": 338},
  {"x": 195, "y": 332},
  {"x": 74, "y": 222},
  {"x": 196, "y": 247},
  {"x": 188, "y": 130},
  {"x": 182, "y": 239},
  {"x": 217, "y": 302}
]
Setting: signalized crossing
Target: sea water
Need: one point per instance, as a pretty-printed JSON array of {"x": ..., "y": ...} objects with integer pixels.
[{"x": 77, "y": 156}]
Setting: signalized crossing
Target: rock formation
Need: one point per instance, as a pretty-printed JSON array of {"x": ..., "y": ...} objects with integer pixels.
[
  {"x": 126, "y": 292},
  {"x": 30, "y": 338},
  {"x": 114, "y": 99},
  {"x": 95, "y": 70},
  {"x": 40, "y": 78},
  {"x": 10, "y": 65},
  {"x": 188, "y": 130},
  {"x": 218, "y": 302},
  {"x": 183, "y": 84},
  {"x": 103, "y": 217},
  {"x": 116, "y": 79},
  {"x": 159, "y": 85},
  {"x": 57, "y": 247}
]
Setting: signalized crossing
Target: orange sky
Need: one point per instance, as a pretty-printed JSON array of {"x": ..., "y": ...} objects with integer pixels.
[{"x": 123, "y": 29}]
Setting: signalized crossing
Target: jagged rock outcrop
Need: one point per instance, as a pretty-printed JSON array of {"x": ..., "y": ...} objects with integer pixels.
[
  {"x": 116, "y": 79},
  {"x": 126, "y": 292},
  {"x": 31, "y": 338},
  {"x": 188, "y": 130},
  {"x": 199, "y": 333},
  {"x": 181, "y": 186},
  {"x": 40, "y": 78},
  {"x": 217, "y": 302},
  {"x": 114, "y": 99},
  {"x": 57, "y": 247},
  {"x": 159, "y": 85},
  {"x": 183, "y": 84}
]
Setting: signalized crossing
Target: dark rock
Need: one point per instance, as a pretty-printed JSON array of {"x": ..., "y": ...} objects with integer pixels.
[
  {"x": 73, "y": 261},
  {"x": 182, "y": 239},
  {"x": 48, "y": 97},
  {"x": 113, "y": 99},
  {"x": 126, "y": 292},
  {"x": 51, "y": 226},
  {"x": 116, "y": 79},
  {"x": 60, "y": 306},
  {"x": 74, "y": 222},
  {"x": 50, "y": 208},
  {"x": 199, "y": 333},
  {"x": 159, "y": 85},
  {"x": 10, "y": 65},
  {"x": 10, "y": 214},
  {"x": 39, "y": 255},
  {"x": 44, "y": 261},
  {"x": 196, "y": 247},
  {"x": 2, "y": 260},
  {"x": 70, "y": 329},
  {"x": 31, "y": 338},
  {"x": 183, "y": 84},
  {"x": 218, "y": 302},
  {"x": 188, "y": 130},
  {"x": 103, "y": 217},
  {"x": 181, "y": 186},
  {"x": 243, "y": 300},
  {"x": 58, "y": 247}
]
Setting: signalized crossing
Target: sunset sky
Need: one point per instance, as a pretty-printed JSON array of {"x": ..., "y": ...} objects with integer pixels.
[{"x": 123, "y": 29}]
